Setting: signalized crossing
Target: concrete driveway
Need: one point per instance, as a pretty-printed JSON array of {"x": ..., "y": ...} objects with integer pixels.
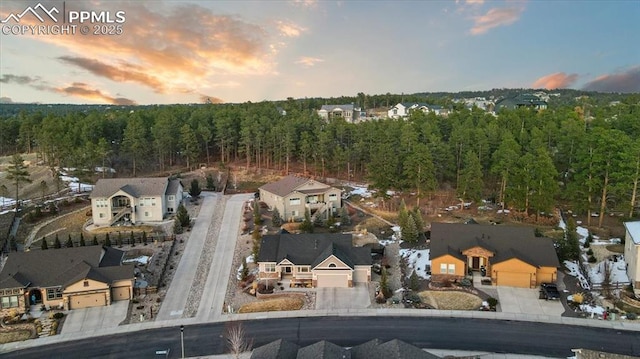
[
  {"x": 525, "y": 301},
  {"x": 357, "y": 297},
  {"x": 91, "y": 319}
]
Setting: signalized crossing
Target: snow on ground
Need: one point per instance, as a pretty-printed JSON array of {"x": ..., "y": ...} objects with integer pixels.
[
  {"x": 417, "y": 260},
  {"x": 592, "y": 309},
  {"x": 74, "y": 183},
  {"x": 583, "y": 233},
  {"x": 562, "y": 224},
  {"x": 618, "y": 272},
  {"x": 141, "y": 260},
  {"x": 361, "y": 191},
  {"x": 396, "y": 233},
  {"x": 386, "y": 242},
  {"x": 574, "y": 270},
  {"x": 6, "y": 202}
]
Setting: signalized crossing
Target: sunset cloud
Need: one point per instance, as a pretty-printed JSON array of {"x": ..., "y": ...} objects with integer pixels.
[
  {"x": 290, "y": 29},
  {"x": 82, "y": 90},
  {"x": 125, "y": 72},
  {"x": 556, "y": 80},
  {"x": 496, "y": 17},
  {"x": 627, "y": 81},
  {"x": 308, "y": 61},
  {"x": 20, "y": 80}
]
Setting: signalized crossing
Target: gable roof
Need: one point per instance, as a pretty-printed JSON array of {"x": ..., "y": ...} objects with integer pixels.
[
  {"x": 285, "y": 186},
  {"x": 506, "y": 242},
  {"x": 279, "y": 349},
  {"x": 634, "y": 231},
  {"x": 312, "y": 249},
  {"x": 64, "y": 266},
  {"x": 322, "y": 350},
  {"x": 330, "y": 108},
  {"x": 136, "y": 187}
]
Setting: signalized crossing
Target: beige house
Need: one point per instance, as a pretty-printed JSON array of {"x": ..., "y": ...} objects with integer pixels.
[
  {"x": 293, "y": 195},
  {"x": 319, "y": 260},
  {"x": 66, "y": 278},
  {"x": 632, "y": 252},
  {"x": 134, "y": 200},
  {"x": 511, "y": 256}
]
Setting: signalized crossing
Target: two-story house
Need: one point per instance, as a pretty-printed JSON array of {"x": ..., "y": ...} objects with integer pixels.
[
  {"x": 135, "y": 200},
  {"x": 348, "y": 112},
  {"x": 293, "y": 195},
  {"x": 404, "y": 109},
  {"x": 632, "y": 252}
]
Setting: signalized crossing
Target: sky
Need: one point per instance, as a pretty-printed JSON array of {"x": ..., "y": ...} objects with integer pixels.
[{"x": 163, "y": 52}]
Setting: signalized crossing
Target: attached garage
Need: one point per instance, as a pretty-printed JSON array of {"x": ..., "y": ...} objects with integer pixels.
[
  {"x": 87, "y": 300},
  {"x": 513, "y": 279},
  {"x": 361, "y": 275},
  {"x": 121, "y": 293},
  {"x": 333, "y": 280}
]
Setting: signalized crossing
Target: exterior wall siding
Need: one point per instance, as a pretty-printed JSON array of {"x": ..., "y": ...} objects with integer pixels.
[{"x": 632, "y": 258}]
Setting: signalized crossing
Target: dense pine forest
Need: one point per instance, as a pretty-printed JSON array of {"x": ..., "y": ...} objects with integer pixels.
[{"x": 584, "y": 149}]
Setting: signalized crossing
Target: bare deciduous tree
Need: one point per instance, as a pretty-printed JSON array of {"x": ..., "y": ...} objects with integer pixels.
[{"x": 236, "y": 339}]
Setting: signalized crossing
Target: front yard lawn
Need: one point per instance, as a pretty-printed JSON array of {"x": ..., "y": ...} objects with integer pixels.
[
  {"x": 450, "y": 300},
  {"x": 273, "y": 305}
]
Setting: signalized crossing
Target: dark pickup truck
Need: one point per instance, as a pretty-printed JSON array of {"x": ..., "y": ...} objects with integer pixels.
[{"x": 549, "y": 291}]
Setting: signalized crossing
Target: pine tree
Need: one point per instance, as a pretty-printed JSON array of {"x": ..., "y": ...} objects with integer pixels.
[
  {"x": 414, "y": 281},
  {"x": 417, "y": 218},
  {"x": 44, "y": 244},
  {"x": 255, "y": 249},
  {"x": 403, "y": 215},
  {"x": 17, "y": 173},
  {"x": 410, "y": 232},
  {"x": 119, "y": 239},
  {"x": 183, "y": 216},
  {"x": 144, "y": 238},
  {"x": 56, "y": 243},
  {"x": 69, "y": 242},
  {"x": 95, "y": 240},
  {"x": 257, "y": 219},
  {"x": 82, "y": 242},
  {"x": 345, "y": 219},
  {"x": 194, "y": 189},
  {"x": 384, "y": 283},
  {"x": 245, "y": 269},
  {"x": 132, "y": 239},
  {"x": 307, "y": 225},
  {"x": 107, "y": 240},
  {"x": 275, "y": 218}
]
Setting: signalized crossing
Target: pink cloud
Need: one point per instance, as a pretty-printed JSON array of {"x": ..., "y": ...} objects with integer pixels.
[
  {"x": 290, "y": 29},
  {"x": 627, "y": 81},
  {"x": 555, "y": 81},
  {"x": 496, "y": 17},
  {"x": 308, "y": 61}
]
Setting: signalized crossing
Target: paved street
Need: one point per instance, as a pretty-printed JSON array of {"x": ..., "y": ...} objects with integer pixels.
[
  {"x": 176, "y": 298},
  {"x": 215, "y": 287}
]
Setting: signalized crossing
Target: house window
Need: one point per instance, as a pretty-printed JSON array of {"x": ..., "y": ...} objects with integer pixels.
[
  {"x": 54, "y": 293},
  {"x": 452, "y": 269},
  {"x": 101, "y": 215},
  {"x": 142, "y": 203},
  {"x": 270, "y": 267},
  {"x": 86, "y": 283},
  {"x": 170, "y": 209},
  {"x": 333, "y": 197},
  {"x": 294, "y": 213},
  {"x": 332, "y": 265},
  {"x": 303, "y": 269},
  {"x": 9, "y": 302},
  {"x": 171, "y": 198},
  {"x": 146, "y": 214},
  {"x": 443, "y": 268},
  {"x": 294, "y": 201}
]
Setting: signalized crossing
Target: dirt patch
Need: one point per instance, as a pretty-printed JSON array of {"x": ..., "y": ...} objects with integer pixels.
[
  {"x": 273, "y": 305},
  {"x": 450, "y": 300},
  {"x": 15, "y": 335},
  {"x": 616, "y": 248},
  {"x": 65, "y": 225}
]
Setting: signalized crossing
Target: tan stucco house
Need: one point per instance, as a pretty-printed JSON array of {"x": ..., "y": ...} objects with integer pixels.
[
  {"x": 512, "y": 256},
  {"x": 321, "y": 259},
  {"x": 632, "y": 252},
  {"x": 67, "y": 278},
  {"x": 135, "y": 200},
  {"x": 293, "y": 195}
]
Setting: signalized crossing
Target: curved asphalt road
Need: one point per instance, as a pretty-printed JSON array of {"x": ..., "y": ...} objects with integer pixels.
[{"x": 499, "y": 336}]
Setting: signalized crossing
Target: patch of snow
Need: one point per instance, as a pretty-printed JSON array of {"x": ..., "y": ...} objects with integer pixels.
[
  {"x": 592, "y": 309},
  {"x": 417, "y": 260},
  {"x": 361, "y": 191},
  {"x": 574, "y": 270},
  {"x": 141, "y": 260},
  {"x": 391, "y": 193},
  {"x": 583, "y": 233},
  {"x": 618, "y": 272},
  {"x": 386, "y": 242},
  {"x": 505, "y": 211},
  {"x": 250, "y": 258},
  {"x": 562, "y": 224}
]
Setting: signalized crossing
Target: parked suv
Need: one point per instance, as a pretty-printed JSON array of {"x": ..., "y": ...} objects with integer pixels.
[{"x": 549, "y": 291}]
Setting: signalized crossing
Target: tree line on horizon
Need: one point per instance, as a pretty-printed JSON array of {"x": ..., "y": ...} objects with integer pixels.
[{"x": 582, "y": 153}]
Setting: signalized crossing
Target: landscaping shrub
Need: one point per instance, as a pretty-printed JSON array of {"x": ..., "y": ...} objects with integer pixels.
[
  {"x": 493, "y": 302},
  {"x": 58, "y": 315},
  {"x": 590, "y": 252},
  {"x": 632, "y": 316},
  {"x": 592, "y": 259}
]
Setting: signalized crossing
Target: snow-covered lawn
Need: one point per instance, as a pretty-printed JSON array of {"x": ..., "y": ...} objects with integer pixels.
[
  {"x": 417, "y": 260},
  {"x": 618, "y": 272},
  {"x": 361, "y": 191},
  {"x": 141, "y": 260},
  {"x": 574, "y": 270}
]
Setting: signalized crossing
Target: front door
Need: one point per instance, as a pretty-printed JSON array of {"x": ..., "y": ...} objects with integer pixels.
[{"x": 475, "y": 263}]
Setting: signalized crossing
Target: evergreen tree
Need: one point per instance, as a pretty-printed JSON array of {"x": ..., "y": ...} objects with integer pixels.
[
  {"x": 210, "y": 183},
  {"x": 189, "y": 143},
  {"x": 194, "y": 188},
  {"x": 403, "y": 215},
  {"x": 144, "y": 238},
  {"x": 132, "y": 239},
  {"x": 275, "y": 218},
  {"x": 119, "y": 239},
  {"x": 82, "y": 241},
  {"x": 306, "y": 225},
  {"x": 470, "y": 184},
  {"x": 410, "y": 232},
  {"x": 255, "y": 249},
  {"x": 44, "y": 244},
  {"x": 95, "y": 240},
  {"x": 257, "y": 218},
  {"x": 384, "y": 283},
  {"x": 345, "y": 219},
  {"x": 420, "y": 171},
  {"x": 69, "y": 242},
  {"x": 17, "y": 173},
  {"x": 414, "y": 281},
  {"x": 177, "y": 227},
  {"x": 245, "y": 269},
  {"x": 107, "y": 240},
  {"x": 182, "y": 216},
  {"x": 417, "y": 219},
  {"x": 56, "y": 243},
  {"x": 136, "y": 141}
]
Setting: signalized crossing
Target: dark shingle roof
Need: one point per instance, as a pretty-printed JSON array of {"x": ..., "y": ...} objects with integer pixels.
[
  {"x": 323, "y": 350},
  {"x": 279, "y": 349},
  {"x": 173, "y": 186},
  {"x": 311, "y": 248},
  {"x": 59, "y": 267},
  {"x": 397, "y": 349},
  {"x": 506, "y": 242},
  {"x": 137, "y": 187},
  {"x": 285, "y": 186},
  {"x": 365, "y": 350}
]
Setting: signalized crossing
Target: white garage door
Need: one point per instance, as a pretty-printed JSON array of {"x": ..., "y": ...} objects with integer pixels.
[
  {"x": 333, "y": 280},
  {"x": 87, "y": 301},
  {"x": 360, "y": 276}
]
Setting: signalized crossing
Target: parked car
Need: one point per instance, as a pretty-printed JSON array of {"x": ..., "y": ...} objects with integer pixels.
[{"x": 549, "y": 291}]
